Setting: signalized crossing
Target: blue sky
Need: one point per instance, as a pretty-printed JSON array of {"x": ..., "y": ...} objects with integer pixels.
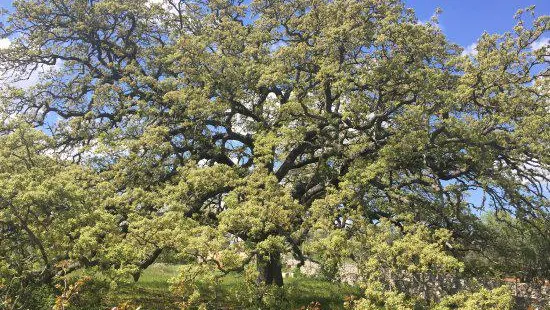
[{"x": 463, "y": 21}]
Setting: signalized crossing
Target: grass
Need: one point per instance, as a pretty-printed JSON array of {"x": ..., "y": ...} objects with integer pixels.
[
  {"x": 152, "y": 291},
  {"x": 329, "y": 294}
]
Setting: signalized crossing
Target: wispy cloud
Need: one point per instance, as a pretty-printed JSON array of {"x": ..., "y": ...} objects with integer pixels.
[
  {"x": 540, "y": 43},
  {"x": 29, "y": 79},
  {"x": 470, "y": 50},
  {"x": 167, "y": 6},
  {"x": 430, "y": 23},
  {"x": 4, "y": 43}
]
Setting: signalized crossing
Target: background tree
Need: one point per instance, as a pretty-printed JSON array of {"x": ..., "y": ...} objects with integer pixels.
[
  {"x": 517, "y": 248},
  {"x": 245, "y": 125}
]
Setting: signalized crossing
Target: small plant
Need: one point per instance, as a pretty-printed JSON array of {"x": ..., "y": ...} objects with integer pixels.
[{"x": 314, "y": 305}]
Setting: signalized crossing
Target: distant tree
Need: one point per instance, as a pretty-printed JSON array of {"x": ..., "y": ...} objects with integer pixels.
[
  {"x": 235, "y": 133},
  {"x": 516, "y": 247}
]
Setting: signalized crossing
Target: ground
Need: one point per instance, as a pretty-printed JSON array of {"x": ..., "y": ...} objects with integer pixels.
[{"x": 152, "y": 291}]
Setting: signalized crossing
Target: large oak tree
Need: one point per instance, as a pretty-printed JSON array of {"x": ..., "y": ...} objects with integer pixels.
[{"x": 238, "y": 132}]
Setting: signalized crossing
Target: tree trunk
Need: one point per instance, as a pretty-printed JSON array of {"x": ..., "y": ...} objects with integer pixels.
[
  {"x": 270, "y": 269},
  {"x": 146, "y": 263}
]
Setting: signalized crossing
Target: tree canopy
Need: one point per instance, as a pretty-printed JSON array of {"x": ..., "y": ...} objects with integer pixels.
[{"x": 234, "y": 133}]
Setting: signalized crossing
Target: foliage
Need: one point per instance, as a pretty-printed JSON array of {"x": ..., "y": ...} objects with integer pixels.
[
  {"x": 83, "y": 294},
  {"x": 44, "y": 204},
  {"x": 499, "y": 299},
  {"x": 230, "y": 134},
  {"x": 202, "y": 287},
  {"x": 412, "y": 263},
  {"x": 410, "y": 269},
  {"x": 517, "y": 247},
  {"x": 198, "y": 286}
]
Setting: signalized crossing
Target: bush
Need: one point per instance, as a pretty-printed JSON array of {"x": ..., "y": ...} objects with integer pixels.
[
  {"x": 198, "y": 286},
  {"x": 409, "y": 268},
  {"x": 497, "y": 299},
  {"x": 204, "y": 287},
  {"x": 90, "y": 295},
  {"x": 20, "y": 295}
]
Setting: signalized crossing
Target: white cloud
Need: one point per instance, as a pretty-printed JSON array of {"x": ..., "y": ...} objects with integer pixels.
[
  {"x": 430, "y": 23},
  {"x": 167, "y": 6},
  {"x": 370, "y": 116},
  {"x": 241, "y": 124},
  {"x": 19, "y": 79},
  {"x": 531, "y": 172},
  {"x": 28, "y": 79},
  {"x": 271, "y": 96},
  {"x": 4, "y": 43},
  {"x": 540, "y": 43},
  {"x": 470, "y": 50}
]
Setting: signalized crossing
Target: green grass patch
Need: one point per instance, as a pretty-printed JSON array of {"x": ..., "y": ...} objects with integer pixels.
[{"x": 152, "y": 291}]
